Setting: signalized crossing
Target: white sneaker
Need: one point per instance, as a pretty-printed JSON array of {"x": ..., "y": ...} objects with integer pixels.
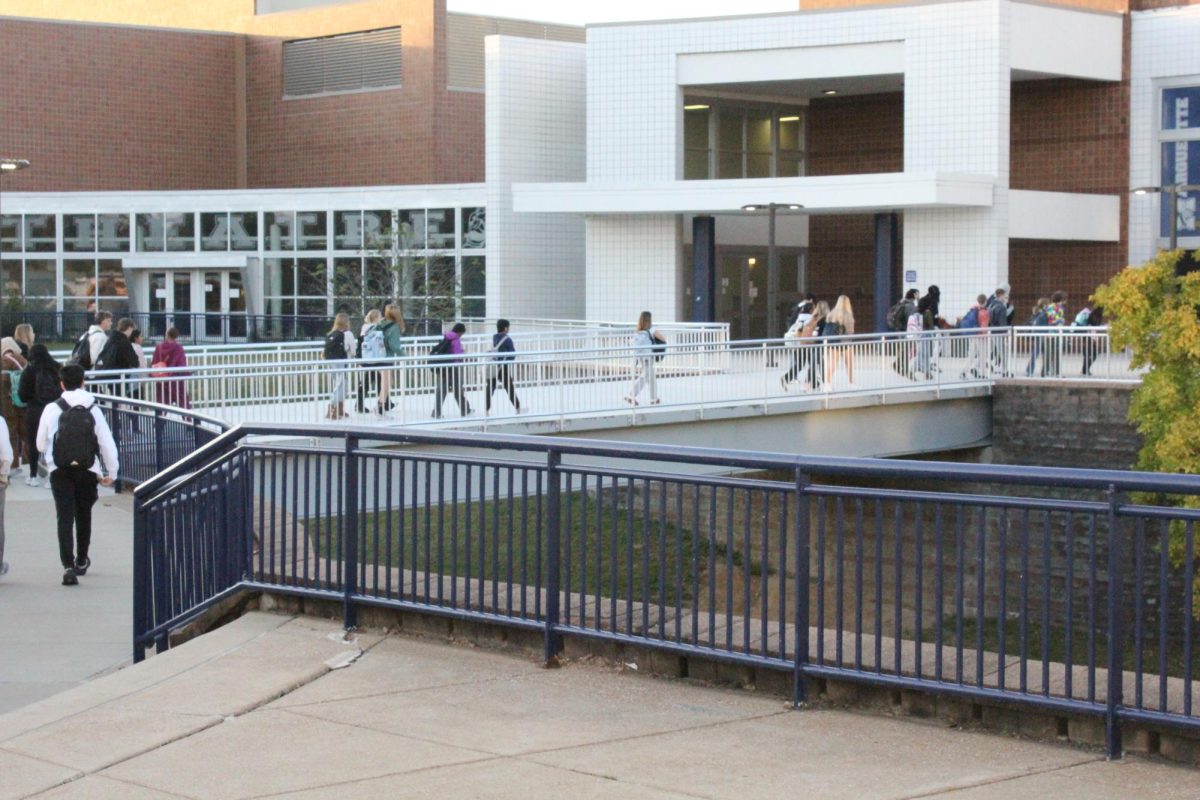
[{"x": 35, "y": 482}]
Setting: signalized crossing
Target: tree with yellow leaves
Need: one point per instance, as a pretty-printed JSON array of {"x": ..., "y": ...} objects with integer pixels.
[{"x": 1156, "y": 313}]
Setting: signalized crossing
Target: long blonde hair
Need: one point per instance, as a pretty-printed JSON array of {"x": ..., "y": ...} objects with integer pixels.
[
  {"x": 24, "y": 334},
  {"x": 373, "y": 316},
  {"x": 843, "y": 314},
  {"x": 644, "y": 321},
  {"x": 341, "y": 322},
  {"x": 392, "y": 312}
]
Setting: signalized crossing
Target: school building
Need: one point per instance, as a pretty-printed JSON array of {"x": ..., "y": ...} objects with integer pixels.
[{"x": 279, "y": 157}]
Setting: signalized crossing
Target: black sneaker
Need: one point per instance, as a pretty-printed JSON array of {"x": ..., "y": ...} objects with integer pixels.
[
  {"x": 69, "y": 578},
  {"x": 81, "y": 567}
]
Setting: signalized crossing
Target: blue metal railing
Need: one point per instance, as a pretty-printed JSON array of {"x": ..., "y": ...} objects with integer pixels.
[{"x": 1043, "y": 587}]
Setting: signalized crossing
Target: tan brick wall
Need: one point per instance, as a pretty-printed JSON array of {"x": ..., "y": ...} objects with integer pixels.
[{"x": 99, "y": 108}]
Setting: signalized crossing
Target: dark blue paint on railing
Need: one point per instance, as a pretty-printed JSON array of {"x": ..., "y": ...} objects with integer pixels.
[{"x": 610, "y": 542}]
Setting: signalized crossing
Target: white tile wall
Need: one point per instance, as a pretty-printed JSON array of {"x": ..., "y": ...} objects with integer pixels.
[
  {"x": 956, "y": 119},
  {"x": 535, "y": 131},
  {"x": 1165, "y": 47}
]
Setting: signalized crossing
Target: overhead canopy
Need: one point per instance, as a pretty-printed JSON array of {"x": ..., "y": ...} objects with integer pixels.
[{"x": 830, "y": 194}]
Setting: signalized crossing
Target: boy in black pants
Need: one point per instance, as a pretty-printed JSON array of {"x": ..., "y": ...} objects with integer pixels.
[{"x": 75, "y": 438}]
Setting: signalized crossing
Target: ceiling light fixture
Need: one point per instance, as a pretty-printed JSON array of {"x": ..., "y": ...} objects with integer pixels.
[
  {"x": 695, "y": 108},
  {"x": 829, "y": 92}
]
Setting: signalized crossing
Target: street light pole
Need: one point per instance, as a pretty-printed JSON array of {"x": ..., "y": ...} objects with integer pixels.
[
  {"x": 1172, "y": 190},
  {"x": 7, "y": 165},
  {"x": 772, "y": 263}
]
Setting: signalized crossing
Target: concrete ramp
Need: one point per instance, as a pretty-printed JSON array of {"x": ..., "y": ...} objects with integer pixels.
[{"x": 274, "y": 705}]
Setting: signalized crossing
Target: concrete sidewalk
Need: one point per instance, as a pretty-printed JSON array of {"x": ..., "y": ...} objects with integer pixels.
[
  {"x": 53, "y": 636},
  {"x": 274, "y": 706}
]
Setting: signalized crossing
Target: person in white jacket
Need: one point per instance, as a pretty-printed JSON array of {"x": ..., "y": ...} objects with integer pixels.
[
  {"x": 73, "y": 485},
  {"x": 6, "y": 459}
]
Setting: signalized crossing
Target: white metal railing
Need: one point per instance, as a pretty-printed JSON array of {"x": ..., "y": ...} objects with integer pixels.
[
  {"x": 529, "y": 335},
  {"x": 596, "y": 381}
]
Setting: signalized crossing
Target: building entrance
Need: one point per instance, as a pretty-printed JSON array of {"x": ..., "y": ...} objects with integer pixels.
[{"x": 199, "y": 303}]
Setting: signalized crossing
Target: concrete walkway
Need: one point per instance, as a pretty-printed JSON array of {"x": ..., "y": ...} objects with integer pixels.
[
  {"x": 52, "y": 636},
  {"x": 273, "y": 706}
]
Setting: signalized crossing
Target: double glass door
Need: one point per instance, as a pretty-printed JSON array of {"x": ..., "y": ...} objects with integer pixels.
[{"x": 202, "y": 304}]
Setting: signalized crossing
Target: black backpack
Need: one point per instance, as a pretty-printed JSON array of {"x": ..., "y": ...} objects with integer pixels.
[
  {"x": 658, "y": 347},
  {"x": 81, "y": 353},
  {"x": 442, "y": 348},
  {"x": 75, "y": 445},
  {"x": 897, "y": 316},
  {"x": 45, "y": 387},
  {"x": 108, "y": 355},
  {"x": 335, "y": 346}
]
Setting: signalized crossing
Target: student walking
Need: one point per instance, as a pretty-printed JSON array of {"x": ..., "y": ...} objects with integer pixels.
[
  {"x": 448, "y": 372},
  {"x": 927, "y": 321},
  {"x": 339, "y": 347},
  {"x": 1091, "y": 318},
  {"x": 88, "y": 347},
  {"x": 6, "y": 460},
  {"x": 118, "y": 354},
  {"x": 998, "y": 312},
  {"x": 1056, "y": 317},
  {"x": 897, "y": 320},
  {"x": 14, "y": 356},
  {"x": 392, "y": 329},
  {"x": 645, "y": 339},
  {"x": 39, "y": 387},
  {"x": 74, "y": 433},
  {"x": 169, "y": 389},
  {"x": 372, "y": 349},
  {"x": 840, "y": 322},
  {"x": 976, "y": 320},
  {"x": 1037, "y": 319},
  {"x": 499, "y": 370},
  {"x": 794, "y": 338}
]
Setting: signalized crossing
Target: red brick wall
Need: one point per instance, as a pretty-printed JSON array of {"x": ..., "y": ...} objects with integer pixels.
[
  {"x": 99, "y": 108},
  {"x": 418, "y": 133},
  {"x": 1068, "y": 136},
  {"x": 846, "y": 136}
]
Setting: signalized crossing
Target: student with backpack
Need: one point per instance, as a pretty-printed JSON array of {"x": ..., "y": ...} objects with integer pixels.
[
  {"x": 118, "y": 354},
  {"x": 89, "y": 346},
  {"x": 392, "y": 329},
  {"x": 976, "y": 320},
  {"x": 340, "y": 346},
  {"x": 897, "y": 321},
  {"x": 39, "y": 387},
  {"x": 448, "y": 371},
  {"x": 77, "y": 440},
  {"x": 499, "y": 369},
  {"x": 1038, "y": 319},
  {"x": 372, "y": 349}
]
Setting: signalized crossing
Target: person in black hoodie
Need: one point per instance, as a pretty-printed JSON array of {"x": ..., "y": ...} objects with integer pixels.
[
  {"x": 118, "y": 354},
  {"x": 38, "y": 388}
]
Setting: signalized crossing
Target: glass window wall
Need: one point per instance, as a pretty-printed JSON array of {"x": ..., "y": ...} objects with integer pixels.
[
  {"x": 724, "y": 139},
  {"x": 1179, "y": 135}
]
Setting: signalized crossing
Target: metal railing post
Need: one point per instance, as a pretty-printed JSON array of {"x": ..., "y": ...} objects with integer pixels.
[
  {"x": 802, "y": 537},
  {"x": 349, "y": 547},
  {"x": 159, "y": 427},
  {"x": 552, "y": 644},
  {"x": 1115, "y": 699},
  {"x": 141, "y": 580}
]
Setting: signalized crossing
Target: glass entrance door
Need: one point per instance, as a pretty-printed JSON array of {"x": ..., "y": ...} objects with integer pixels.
[
  {"x": 209, "y": 305},
  {"x": 170, "y": 302}
]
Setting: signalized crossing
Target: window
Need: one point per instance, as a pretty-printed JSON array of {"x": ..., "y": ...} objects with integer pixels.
[
  {"x": 79, "y": 232},
  {"x": 279, "y": 226},
  {"x": 349, "y": 62},
  {"x": 725, "y": 140},
  {"x": 114, "y": 233},
  {"x": 180, "y": 231},
  {"x": 474, "y": 228},
  {"x": 40, "y": 233},
  {"x": 10, "y": 233},
  {"x": 150, "y": 233},
  {"x": 1179, "y": 135}
]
